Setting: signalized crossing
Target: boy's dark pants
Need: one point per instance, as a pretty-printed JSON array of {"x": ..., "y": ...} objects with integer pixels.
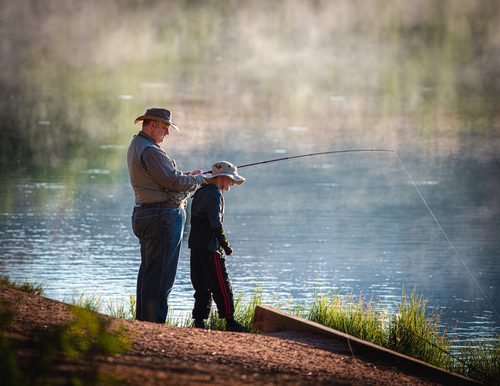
[{"x": 209, "y": 276}]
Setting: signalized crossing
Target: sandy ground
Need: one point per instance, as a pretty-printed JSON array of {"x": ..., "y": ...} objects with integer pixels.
[{"x": 165, "y": 355}]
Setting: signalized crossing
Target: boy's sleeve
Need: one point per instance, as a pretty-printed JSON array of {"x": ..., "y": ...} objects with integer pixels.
[
  {"x": 224, "y": 243},
  {"x": 215, "y": 218}
]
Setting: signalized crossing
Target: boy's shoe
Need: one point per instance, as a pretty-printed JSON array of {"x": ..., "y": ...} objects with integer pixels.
[
  {"x": 199, "y": 324},
  {"x": 236, "y": 327}
]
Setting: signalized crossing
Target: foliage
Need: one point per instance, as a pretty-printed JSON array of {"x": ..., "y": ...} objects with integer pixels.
[
  {"x": 178, "y": 321},
  {"x": 9, "y": 370},
  {"x": 84, "y": 338}
]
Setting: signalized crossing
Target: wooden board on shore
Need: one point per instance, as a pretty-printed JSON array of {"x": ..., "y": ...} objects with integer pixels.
[{"x": 270, "y": 320}]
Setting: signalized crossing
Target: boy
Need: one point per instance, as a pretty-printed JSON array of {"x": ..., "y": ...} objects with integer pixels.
[{"x": 207, "y": 242}]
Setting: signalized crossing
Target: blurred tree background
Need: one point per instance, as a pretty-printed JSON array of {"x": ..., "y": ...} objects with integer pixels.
[{"x": 75, "y": 74}]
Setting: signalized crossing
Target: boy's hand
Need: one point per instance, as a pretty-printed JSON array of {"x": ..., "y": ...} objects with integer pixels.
[{"x": 229, "y": 251}]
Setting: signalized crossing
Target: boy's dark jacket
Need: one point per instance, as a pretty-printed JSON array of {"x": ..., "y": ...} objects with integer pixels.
[{"x": 207, "y": 217}]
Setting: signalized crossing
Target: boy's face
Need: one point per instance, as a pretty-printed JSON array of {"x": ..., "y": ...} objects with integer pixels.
[{"x": 227, "y": 183}]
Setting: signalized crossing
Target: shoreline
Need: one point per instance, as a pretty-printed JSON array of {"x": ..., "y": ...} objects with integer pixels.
[{"x": 181, "y": 355}]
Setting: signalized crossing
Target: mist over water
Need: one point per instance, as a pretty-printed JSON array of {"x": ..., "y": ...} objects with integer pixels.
[{"x": 249, "y": 81}]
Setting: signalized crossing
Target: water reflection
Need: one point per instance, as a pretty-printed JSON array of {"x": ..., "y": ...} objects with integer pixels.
[{"x": 302, "y": 77}]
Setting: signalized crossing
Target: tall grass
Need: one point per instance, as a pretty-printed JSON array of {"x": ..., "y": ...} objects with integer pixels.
[
  {"x": 416, "y": 333},
  {"x": 354, "y": 317},
  {"x": 244, "y": 310},
  {"x": 119, "y": 308},
  {"x": 89, "y": 301},
  {"x": 33, "y": 288},
  {"x": 479, "y": 359}
]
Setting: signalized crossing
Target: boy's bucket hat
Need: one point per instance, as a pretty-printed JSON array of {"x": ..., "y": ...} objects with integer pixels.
[
  {"x": 157, "y": 114},
  {"x": 224, "y": 168}
]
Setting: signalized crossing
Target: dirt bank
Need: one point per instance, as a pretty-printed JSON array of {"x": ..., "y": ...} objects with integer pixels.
[{"x": 186, "y": 356}]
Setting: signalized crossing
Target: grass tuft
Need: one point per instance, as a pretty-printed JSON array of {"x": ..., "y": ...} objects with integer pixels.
[
  {"x": 480, "y": 359},
  {"x": 32, "y": 288},
  {"x": 417, "y": 334},
  {"x": 88, "y": 301},
  {"x": 353, "y": 317},
  {"x": 119, "y": 308}
]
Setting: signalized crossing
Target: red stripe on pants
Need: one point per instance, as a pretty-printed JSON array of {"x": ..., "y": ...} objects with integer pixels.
[{"x": 222, "y": 283}]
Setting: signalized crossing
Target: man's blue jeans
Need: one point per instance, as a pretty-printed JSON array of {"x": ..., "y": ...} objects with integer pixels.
[{"x": 159, "y": 231}]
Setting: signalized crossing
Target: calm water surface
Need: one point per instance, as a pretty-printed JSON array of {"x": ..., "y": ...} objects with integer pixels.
[{"x": 351, "y": 223}]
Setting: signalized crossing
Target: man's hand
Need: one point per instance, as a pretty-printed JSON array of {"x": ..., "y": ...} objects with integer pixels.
[{"x": 195, "y": 172}]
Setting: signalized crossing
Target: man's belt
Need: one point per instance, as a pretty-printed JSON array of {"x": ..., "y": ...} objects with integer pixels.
[{"x": 161, "y": 205}]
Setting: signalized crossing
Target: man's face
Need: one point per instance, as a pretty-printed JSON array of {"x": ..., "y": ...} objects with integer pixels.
[{"x": 160, "y": 131}]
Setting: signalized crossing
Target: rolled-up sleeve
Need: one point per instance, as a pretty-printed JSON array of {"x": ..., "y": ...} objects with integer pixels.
[{"x": 164, "y": 172}]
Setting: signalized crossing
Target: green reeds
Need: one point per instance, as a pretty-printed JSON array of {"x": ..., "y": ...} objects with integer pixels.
[
  {"x": 410, "y": 331},
  {"x": 244, "y": 308},
  {"x": 119, "y": 308},
  {"x": 33, "y": 288},
  {"x": 243, "y": 313},
  {"x": 353, "y": 317},
  {"x": 479, "y": 359},
  {"x": 416, "y": 333},
  {"x": 89, "y": 301},
  {"x": 177, "y": 320}
]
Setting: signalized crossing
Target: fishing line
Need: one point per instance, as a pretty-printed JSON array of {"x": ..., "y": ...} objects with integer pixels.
[
  {"x": 266, "y": 163},
  {"x": 446, "y": 236}
]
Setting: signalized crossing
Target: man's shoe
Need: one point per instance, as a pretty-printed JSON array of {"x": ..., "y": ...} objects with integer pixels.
[
  {"x": 199, "y": 324},
  {"x": 236, "y": 327}
]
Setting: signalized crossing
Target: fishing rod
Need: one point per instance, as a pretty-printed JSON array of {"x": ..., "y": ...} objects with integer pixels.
[{"x": 309, "y": 155}]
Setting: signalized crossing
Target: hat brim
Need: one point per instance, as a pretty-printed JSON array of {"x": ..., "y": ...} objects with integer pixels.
[
  {"x": 238, "y": 180},
  {"x": 143, "y": 117}
]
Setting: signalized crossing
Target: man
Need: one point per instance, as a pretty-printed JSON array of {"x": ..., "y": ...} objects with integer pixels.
[
  {"x": 159, "y": 214},
  {"x": 208, "y": 242}
]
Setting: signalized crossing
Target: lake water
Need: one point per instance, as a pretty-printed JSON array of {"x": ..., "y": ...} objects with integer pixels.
[
  {"x": 249, "y": 82},
  {"x": 352, "y": 222}
]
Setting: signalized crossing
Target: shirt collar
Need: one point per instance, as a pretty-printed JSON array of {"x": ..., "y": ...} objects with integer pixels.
[{"x": 143, "y": 134}]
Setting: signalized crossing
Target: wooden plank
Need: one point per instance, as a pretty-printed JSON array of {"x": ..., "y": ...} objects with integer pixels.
[{"x": 269, "y": 320}]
